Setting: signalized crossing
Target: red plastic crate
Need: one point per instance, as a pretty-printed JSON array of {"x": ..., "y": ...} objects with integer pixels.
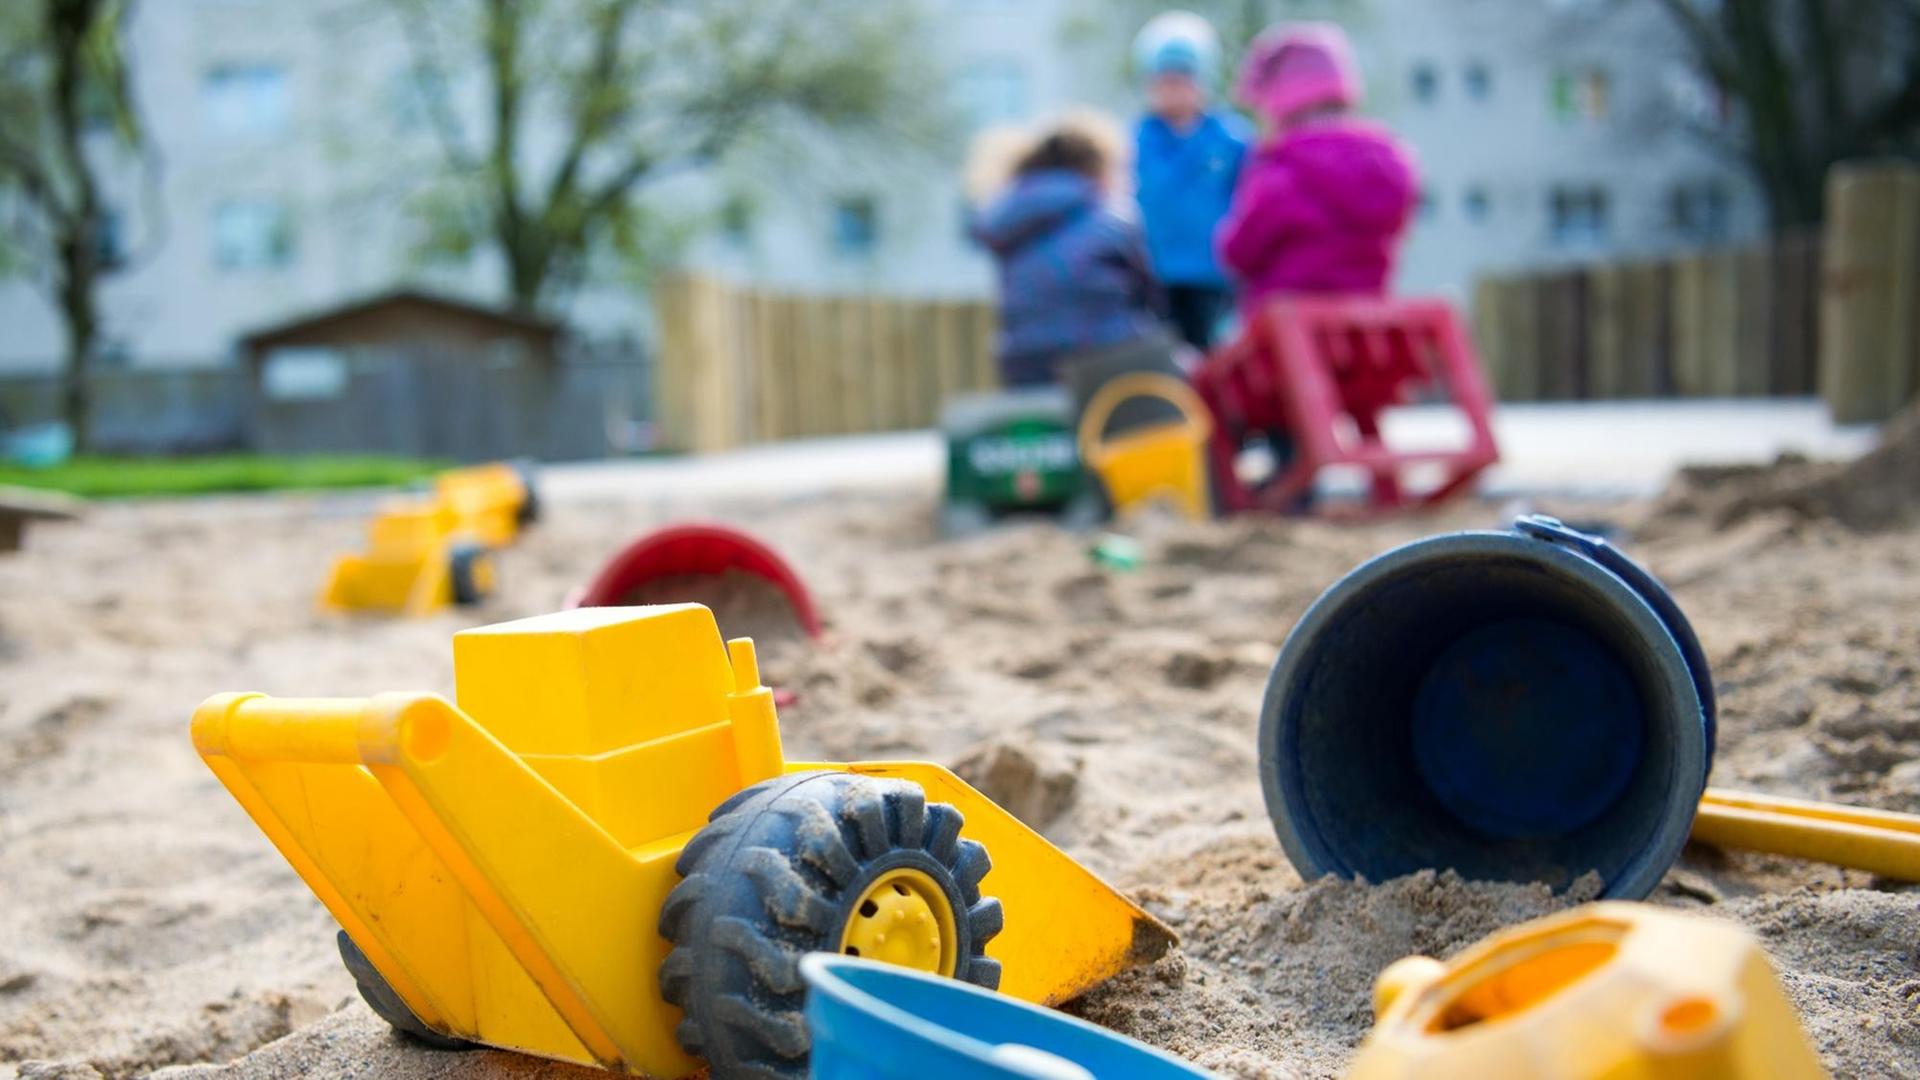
[{"x": 1321, "y": 371}]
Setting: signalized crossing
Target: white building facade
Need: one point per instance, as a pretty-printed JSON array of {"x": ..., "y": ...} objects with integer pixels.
[{"x": 286, "y": 138}]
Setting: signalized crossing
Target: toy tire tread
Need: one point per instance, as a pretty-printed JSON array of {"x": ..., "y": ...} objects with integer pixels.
[
  {"x": 462, "y": 563},
  {"x": 528, "y": 512},
  {"x": 386, "y": 1004},
  {"x": 772, "y": 877}
]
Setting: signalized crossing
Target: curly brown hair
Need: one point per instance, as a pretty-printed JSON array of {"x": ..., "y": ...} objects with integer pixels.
[{"x": 1072, "y": 151}]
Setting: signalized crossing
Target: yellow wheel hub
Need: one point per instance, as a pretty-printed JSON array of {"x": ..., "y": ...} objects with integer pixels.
[{"x": 903, "y": 918}]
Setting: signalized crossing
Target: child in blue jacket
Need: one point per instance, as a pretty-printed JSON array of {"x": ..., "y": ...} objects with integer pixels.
[{"x": 1187, "y": 159}]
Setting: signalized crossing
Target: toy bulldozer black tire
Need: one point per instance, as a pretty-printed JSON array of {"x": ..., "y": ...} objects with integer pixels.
[
  {"x": 380, "y": 997},
  {"x": 528, "y": 512},
  {"x": 787, "y": 867},
  {"x": 464, "y": 567}
]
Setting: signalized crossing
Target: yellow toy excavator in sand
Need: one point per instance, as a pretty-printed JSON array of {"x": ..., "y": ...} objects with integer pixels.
[{"x": 601, "y": 854}]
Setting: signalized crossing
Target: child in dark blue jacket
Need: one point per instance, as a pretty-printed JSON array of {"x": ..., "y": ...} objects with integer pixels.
[
  {"x": 1073, "y": 275},
  {"x": 1187, "y": 158}
]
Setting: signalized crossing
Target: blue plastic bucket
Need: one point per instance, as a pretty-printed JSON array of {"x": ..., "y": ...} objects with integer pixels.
[
  {"x": 1526, "y": 705},
  {"x": 873, "y": 1021}
]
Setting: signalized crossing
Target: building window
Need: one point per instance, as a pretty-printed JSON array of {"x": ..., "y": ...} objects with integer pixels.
[
  {"x": 1578, "y": 215},
  {"x": 110, "y": 239},
  {"x": 304, "y": 374},
  {"x": 409, "y": 98},
  {"x": 856, "y": 225},
  {"x": 992, "y": 92},
  {"x": 252, "y": 234},
  {"x": 1478, "y": 80},
  {"x": 1701, "y": 210},
  {"x": 1425, "y": 82},
  {"x": 98, "y": 111},
  {"x": 1698, "y": 99},
  {"x": 736, "y": 220},
  {"x": 1476, "y": 204},
  {"x": 1429, "y": 206},
  {"x": 246, "y": 102},
  {"x": 1582, "y": 95},
  {"x": 969, "y": 216}
]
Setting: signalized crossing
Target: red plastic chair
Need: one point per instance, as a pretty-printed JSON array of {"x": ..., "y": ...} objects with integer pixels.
[{"x": 1315, "y": 374}]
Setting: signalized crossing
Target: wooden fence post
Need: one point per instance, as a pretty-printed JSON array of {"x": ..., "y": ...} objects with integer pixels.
[
  {"x": 1869, "y": 363},
  {"x": 1756, "y": 318},
  {"x": 1489, "y": 333},
  {"x": 1796, "y": 290},
  {"x": 1689, "y": 325},
  {"x": 985, "y": 320},
  {"x": 1520, "y": 309},
  {"x": 1643, "y": 330},
  {"x": 1607, "y": 322},
  {"x": 1563, "y": 341}
]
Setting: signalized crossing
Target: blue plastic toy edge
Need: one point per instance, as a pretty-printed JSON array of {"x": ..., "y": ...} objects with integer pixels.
[{"x": 826, "y": 988}]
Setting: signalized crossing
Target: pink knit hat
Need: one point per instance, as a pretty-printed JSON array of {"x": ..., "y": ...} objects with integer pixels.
[{"x": 1296, "y": 66}]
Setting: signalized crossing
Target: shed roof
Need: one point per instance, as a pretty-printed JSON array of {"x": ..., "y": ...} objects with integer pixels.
[{"x": 400, "y": 314}]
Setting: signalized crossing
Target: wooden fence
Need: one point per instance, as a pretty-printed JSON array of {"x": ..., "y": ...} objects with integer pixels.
[
  {"x": 1836, "y": 315},
  {"x": 419, "y": 400},
  {"x": 1736, "y": 323},
  {"x": 739, "y": 365},
  {"x": 195, "y": 408}
]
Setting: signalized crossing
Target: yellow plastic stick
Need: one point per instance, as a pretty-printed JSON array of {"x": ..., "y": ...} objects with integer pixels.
[{"x": 1878, "y": 841}]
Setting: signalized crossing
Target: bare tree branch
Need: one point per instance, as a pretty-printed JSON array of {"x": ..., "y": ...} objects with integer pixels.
[
  {"x": 432, "y": 83},
  {"x": 596, "y": 110},
  {"x": 587, "y": 104}
]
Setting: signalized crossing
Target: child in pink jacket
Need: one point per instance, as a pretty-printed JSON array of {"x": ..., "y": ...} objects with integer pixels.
[{"x": 1324, "y": 199}]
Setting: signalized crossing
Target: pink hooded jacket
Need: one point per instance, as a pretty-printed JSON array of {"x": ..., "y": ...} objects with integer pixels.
[{"x": 1321, "y": 208}]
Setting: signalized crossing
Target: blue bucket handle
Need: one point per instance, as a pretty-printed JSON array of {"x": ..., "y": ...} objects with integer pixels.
[{"x": 1554, "y": 531}]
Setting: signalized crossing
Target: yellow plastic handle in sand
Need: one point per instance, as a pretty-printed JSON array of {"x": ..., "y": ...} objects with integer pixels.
[{"x": 1878, "y": 841}]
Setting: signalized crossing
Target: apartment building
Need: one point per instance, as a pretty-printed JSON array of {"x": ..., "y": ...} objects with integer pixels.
[{"x": 291, "y": 139}]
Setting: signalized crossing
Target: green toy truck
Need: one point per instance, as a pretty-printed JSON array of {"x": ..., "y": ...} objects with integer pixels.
[{"x": 1013, "y": 452}]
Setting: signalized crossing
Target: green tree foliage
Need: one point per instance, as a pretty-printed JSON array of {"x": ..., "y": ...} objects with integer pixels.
[
  {"x": 63, "y": 89},
  {"x": 554, "y": 116},
  {"x": 1811, "y": 82}
]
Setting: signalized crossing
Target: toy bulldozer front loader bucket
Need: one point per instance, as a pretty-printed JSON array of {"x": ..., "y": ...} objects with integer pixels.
[{"x": 503, "y": 863}]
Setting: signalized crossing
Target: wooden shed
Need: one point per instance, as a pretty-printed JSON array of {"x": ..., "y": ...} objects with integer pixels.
[{"x": 407, "y": 372}]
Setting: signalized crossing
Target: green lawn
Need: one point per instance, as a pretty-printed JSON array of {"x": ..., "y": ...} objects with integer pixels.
[{"x": 117, "y": 477}]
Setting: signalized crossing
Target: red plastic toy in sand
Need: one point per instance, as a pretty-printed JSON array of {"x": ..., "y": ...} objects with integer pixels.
[
  {"x": 695, "y": 550},
  {"x": 1314, "y": 374}
]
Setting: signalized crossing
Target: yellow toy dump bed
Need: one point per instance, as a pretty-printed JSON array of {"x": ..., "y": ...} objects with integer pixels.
[
  {"x": 414, "y": 564},
  {"x": 424, "y": 553},
  {"x": 504, "y": 863}
]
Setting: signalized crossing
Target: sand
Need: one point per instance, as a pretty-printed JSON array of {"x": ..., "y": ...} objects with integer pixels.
[{"x": 146, "y": 925}]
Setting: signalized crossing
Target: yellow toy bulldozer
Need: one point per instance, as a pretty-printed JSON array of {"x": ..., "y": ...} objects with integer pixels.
[
  {"x": 424, "y": 553},
  {"x": 601, "y": 854}
]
